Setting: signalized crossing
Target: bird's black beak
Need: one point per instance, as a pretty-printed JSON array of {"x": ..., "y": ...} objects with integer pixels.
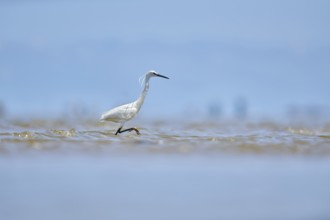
[{"x": 162, "y": 76}]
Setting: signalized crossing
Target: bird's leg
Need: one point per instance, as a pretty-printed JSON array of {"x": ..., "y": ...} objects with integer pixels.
[
  {"x": 128, "y": 129},
  {"x": 131, "y": 129},
  {"x": 119, "y": 130}
]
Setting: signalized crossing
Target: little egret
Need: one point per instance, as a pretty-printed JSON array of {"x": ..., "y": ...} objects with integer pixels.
[{"x": 124, "y": 113}]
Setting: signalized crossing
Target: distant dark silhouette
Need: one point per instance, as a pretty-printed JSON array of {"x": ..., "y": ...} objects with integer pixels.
[
  {"x": 240, "y": 108},
  {"x": 2, "y": 110},
  {"x": 215, "y": 110}
]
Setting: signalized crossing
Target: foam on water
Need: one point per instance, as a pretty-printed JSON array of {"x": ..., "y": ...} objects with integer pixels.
[{"x": 163, "y": 137}]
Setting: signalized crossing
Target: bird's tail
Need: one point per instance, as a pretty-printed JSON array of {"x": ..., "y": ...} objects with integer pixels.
[{"x": 102, "y": 119}]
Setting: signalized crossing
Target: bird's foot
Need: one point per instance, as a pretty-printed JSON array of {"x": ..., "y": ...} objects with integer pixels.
[{"x": 136, "y": 130}]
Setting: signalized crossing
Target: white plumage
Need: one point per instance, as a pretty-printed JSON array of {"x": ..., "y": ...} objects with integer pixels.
[
  {"x": 126, "y": 112},
  {"x": 121, "y": 113}
]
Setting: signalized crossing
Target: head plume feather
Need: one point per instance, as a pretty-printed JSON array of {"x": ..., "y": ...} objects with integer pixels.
[{"x": 142, "y": 79}]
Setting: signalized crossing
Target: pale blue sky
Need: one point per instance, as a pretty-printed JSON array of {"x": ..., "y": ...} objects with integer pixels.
[{"x": 58, "y": 53}]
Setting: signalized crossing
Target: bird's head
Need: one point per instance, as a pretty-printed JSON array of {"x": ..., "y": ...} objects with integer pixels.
[
  {"x": 150, "y": 74},
  {"x": 153, "y": 73}
]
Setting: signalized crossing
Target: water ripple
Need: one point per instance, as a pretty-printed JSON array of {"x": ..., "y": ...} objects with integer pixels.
[{"x": 194, "y": 138}]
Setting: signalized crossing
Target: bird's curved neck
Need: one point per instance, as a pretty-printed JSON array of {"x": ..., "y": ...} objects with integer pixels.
[{"x": 144, "y": 92}]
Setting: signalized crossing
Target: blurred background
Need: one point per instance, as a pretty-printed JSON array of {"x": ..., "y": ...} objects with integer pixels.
[
  {"x": 237, "y": 59},
  {"x": 225, "y": 58}
]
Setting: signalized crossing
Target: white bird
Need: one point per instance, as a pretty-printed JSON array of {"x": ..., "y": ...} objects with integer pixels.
[{"x": 124, "y": 113}]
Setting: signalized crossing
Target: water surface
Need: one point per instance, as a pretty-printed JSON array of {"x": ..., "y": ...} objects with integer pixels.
[
  {"x": 162, "y": 137},
  {"x": 64, "y": 169}
]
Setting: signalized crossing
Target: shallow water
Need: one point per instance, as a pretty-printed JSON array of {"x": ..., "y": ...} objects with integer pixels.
[
  {"x": 161, "y": 137},
  {"x": 64, "y": 169}
]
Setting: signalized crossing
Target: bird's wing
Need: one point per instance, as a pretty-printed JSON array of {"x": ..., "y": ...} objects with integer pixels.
[{"x": 120, "y": 113}]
